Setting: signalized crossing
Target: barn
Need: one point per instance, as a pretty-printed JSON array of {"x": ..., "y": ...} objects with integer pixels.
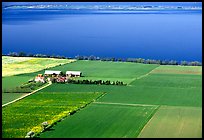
[
  {"x": 52, "y": 73},
  {"x": 73, "y": 73}
]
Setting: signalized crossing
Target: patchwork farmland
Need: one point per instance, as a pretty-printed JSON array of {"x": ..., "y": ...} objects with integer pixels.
[{"x": 155, "y": 95}]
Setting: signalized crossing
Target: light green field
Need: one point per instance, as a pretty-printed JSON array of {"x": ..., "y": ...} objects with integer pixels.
[
  {"x": 174, "y": 122},
  {"x": 25, "y": 115},
  {"x": 10, "y": 60},
  {"x": 15, "y": 65},
  {"x": 168, "y": 69},
  {"x": 103, "y": 121}
]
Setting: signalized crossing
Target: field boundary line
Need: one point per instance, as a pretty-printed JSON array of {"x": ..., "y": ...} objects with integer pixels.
[
  {"x": 26, "y": 95},
  {"x": 144, "y": 75},
  {"x": 123, "y": 104},
  {"x": 148, "y": 121}
]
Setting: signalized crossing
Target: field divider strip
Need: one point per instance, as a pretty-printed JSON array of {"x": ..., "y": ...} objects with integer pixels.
[
  {"x": 26, "y": 95},
  {"x": 123, "y": 104},
  {"x": 146, "y": 74},
  {"x": 155, "y": 111},
  {"x": 142, "y": 76}
]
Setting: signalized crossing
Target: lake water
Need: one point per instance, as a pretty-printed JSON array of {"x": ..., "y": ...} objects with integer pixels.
[{"x": 168, "y": 35}]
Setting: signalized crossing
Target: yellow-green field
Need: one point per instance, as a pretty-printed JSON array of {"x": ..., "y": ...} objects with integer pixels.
[{"x": 19, "y": 65}]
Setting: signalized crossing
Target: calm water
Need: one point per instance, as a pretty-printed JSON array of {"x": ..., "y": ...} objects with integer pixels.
[{"x": 168, "y": 35}]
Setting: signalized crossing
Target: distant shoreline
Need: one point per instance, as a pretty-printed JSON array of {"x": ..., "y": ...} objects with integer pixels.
[{"x": 113, "y": 59}]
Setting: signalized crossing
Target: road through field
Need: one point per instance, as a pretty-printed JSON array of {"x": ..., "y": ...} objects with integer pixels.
[
  {"x": 27, "y": 95},
  {"x": 123, "y": 104}
]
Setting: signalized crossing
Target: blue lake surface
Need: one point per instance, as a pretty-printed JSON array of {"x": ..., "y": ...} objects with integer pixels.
[{"x": 171, "y": 35}]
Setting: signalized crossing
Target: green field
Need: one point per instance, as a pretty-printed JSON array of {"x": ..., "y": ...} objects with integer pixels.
[
  {"x": 25, "y": 115},
  {"x": 97, "y": 70},
  {"x": 7, "y": 97},
  {"x": 138, "y": 95},
  {"x": 103, "y": 121},
  {"x": 124, "y": 110},
  {"x": 174, "y": 122},
  {"x": 168, "y": 69},
  {"x": 170, "y": 81}
]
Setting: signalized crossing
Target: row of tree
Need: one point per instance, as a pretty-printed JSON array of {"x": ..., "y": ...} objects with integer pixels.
[
  {"x": 23, "y": 54},
  {"x": 92, "y": 57},
  {"x": 95, "y": 82},
  {"x": 140, "y": 60}
]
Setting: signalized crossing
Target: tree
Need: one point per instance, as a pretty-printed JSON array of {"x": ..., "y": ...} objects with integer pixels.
[{"x": 184, "y": 63}]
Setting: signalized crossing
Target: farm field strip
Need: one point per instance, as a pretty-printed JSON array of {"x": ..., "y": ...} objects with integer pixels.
[
  {"x": 30, "y": 65},
  {"x": 103, "y": 121},
  {"x": 137, "y": 94},
  {"x": 9, "y": 60},
  {"x": 174, "y": 122},
  {"x": 7, "y": 97},
  {"x": 168, "y": 69},
  {"x": 109, "y": 103},
  {"x": 16, "y": 121},
  {"x": 170, "y": 80},
  {"x": 26, "y": 95}
]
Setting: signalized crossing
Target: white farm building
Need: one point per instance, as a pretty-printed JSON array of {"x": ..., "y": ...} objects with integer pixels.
[
  {"x": 73, "y": 73},
  {"x": 52, "y": 72}
]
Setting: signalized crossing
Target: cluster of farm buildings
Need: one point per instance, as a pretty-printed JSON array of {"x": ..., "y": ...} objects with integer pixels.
[{"x": 58, "y": 76}]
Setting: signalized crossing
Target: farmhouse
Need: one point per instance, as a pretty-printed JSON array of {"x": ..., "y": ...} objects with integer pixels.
[
  {"x": 40, "y": 78},
  {"x": 61, "y": 79},
  {"x": 73, "y": 73},
  {"x": 52, "y": 73}
]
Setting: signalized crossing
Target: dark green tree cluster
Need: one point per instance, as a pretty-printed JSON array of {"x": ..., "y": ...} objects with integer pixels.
[{"x": 95, "y": 82}]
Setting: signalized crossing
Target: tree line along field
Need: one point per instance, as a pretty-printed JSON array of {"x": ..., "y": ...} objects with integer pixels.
[{"x": 141, "y": 99}]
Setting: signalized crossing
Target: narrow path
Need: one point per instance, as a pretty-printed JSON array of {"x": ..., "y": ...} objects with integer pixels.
[
  {"x": 149, "y": 120},
  {"x": 142, "y": 76},
  {"x": 123, "y": 104},
  {"x": 26, "y": 95}
]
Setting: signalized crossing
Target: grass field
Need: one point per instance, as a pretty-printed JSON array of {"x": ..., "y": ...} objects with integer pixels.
[
  {"x": 103, "y": 121},
  {"x": 17, "y": 65},
  {"x": 25, "y": 115},
  {"x": 174, "y": 122}
]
